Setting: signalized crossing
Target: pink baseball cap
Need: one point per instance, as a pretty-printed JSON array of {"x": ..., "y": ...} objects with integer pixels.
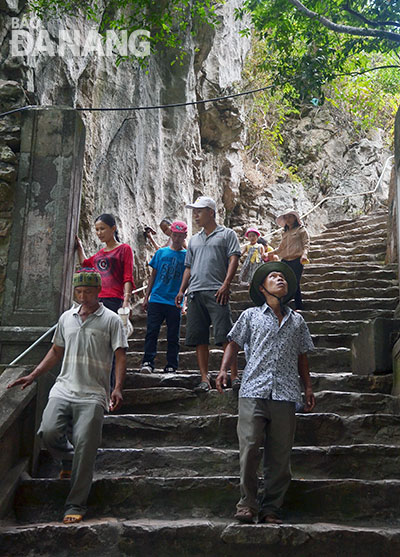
[
  {"x": 252, "y": 230},
  {"x": 179, "y": 226}
]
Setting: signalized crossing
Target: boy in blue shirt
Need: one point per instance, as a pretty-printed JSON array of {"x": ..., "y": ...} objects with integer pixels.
[{"x": 168, "y": 266}]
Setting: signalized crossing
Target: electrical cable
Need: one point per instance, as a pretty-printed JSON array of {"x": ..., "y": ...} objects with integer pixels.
[{"x": 155, "y": 107}]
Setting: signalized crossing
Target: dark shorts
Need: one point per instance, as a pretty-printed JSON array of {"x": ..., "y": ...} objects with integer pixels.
[{"x": 203, "y": 311}]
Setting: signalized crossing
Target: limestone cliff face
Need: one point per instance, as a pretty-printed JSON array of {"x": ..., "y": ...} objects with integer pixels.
[{"x": 143, "y": 165}]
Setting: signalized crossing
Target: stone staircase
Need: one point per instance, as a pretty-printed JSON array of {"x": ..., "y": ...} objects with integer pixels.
[{"x": 167, "y": 474}]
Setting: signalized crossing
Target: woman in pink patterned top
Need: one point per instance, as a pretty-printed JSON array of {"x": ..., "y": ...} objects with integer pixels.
[{"x": 114, "y": 262}]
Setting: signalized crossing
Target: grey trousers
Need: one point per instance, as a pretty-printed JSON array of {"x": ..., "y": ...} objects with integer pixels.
[
  {"x": 86, "y": 421},
  {"x": 268, "y": 423}
]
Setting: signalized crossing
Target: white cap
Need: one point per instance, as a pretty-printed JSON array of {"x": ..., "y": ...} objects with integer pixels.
[
  {"x": 280, "y": 221},
  {"x": 202, "y": 202}
]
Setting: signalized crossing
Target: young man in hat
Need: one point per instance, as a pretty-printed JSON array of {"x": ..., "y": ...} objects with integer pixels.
[
  {"x": 211, "y": 263},
  {"x": 85, "y": 340},
  {"x": 168, "y": 266},
  {"x": 276, "y": 341}
]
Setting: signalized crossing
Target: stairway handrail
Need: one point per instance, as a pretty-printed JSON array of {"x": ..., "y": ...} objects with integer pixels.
[
  {"x": 44, "y": 335},
  {"x": 346, "y": 196}
]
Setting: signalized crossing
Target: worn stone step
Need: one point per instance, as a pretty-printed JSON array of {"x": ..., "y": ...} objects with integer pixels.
[
  {"x": 320, "y": 381},
  {"x": 374, "y": 258},
  {"x": 362, "y": 461},
  {"x": 349, "y": 293},
  {"x": 219, "y": 430},
  {"x": 345, "y": 314},
  {"x": 348, "y": 269},
  {"x": 342, "y": 500},
  {"x": 351, "y": 403},
  {"x": 199, "y": 537},
  {"x": 364, "y": 221},
  {"x": 323, "y": 359},
  {"x": 336, "y": 304},
  {"x": 380, "y": 284},
  {"x": 334, "y": 327},
  {"x": 329, "y": 237},
  {"x": 372, "y": 247},
  {"x": 163, "y": 400}
]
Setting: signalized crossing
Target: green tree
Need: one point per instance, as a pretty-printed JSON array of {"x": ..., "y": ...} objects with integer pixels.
[
  {"x": 169, "y": 21},
  {"x": 309, "y": 44}
]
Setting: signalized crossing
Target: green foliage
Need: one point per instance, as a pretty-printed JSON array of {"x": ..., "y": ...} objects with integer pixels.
[
  {"x": 302, "y": 55},
  {"x": 360, "y": 103},
  {"x": 371, "y": 98},
  {"x": 169, "y": 21}
]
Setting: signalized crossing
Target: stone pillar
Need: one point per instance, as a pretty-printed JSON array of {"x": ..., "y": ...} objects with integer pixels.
[
  {"x": 41, "y": 258},
  {"x": 45, "y": 219},
  {"x": 397, "y": 183}
]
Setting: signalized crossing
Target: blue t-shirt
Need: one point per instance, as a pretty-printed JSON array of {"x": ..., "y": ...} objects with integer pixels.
[{"x": 170, "y": 265}]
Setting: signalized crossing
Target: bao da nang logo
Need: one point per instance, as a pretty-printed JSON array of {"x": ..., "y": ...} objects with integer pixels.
[{"x": 29, "y": 38}]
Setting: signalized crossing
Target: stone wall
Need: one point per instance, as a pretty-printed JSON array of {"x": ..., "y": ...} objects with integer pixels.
[
  {"x": 11, "y": 96},
  {"x": 392, "y": 255}
]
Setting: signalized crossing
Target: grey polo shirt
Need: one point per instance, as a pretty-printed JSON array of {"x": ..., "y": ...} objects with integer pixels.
[
  {"x": 88, "y": 351},
  {"x": 208, "y": 258}
]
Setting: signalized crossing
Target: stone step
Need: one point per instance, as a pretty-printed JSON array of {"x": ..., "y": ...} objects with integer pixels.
[
  {"x": 189, "y": 379},
  {"x": 335, "y": 304},
  {"x": 375, "y": 258},
  {"x": 343, "y": 500},
  {"x": 349, "y": 293},
  {"x": 345, "y": 314},
  {"x": 161, "y": 400},
  {"x": 334, "y": 327},
  {"x": 347, "y": 269},
  {"x": 200, "y": 537},
  {"x": 328, "y": 237},
  {"x": 365, "y": 461},
  {"x": 318, "y": 250},
  {"x": 362, "y": 222},
  {"x": 219, "y": 430},
  {"x": 324, "y": 358},
  {"x": 344, "y": 285},
  {"x": 327, "y": 340}
]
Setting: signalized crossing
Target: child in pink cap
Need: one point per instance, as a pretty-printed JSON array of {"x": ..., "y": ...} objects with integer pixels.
[{"x": 254, "y": 256}]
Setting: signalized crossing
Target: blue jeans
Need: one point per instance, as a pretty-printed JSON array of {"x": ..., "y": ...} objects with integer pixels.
[
  {"x": 156, "y": 313},
  {"x": 298, "y": 271}
]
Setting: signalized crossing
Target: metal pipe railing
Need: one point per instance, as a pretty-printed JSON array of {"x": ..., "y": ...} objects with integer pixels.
[
  {"x": 343, "y": 196},
  {"x": 39, "y": 340}
]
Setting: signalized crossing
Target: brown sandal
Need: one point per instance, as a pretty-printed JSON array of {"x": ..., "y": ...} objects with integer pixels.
[
  {"x": 244, "y": 514},
  {"x": 270, "y": 519}
]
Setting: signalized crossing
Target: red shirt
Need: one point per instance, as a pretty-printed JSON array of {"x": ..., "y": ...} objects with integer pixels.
[{"x": 115, "y": 267}]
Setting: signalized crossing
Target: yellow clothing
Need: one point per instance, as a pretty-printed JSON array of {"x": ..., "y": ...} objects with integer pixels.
[
  {"x": 256, "y": 256},
  {"x": 294, "y": 243}
]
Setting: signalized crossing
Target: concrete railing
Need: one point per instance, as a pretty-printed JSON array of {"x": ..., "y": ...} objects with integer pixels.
[{"x": 17, "y": 433}]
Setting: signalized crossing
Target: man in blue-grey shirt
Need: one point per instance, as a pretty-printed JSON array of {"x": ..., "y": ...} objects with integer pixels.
[
  {"x": 276, "y": 340},
  {"x": 211, "y": 262}
]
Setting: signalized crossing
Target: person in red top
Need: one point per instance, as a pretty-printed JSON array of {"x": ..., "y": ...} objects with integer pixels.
[{"x": 114, "y": 262}]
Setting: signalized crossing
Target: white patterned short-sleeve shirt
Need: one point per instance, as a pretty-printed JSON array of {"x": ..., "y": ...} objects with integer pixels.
[{"x": 271, "y": 352}]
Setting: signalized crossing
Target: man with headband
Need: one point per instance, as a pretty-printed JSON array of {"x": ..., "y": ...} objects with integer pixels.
[
  {"x": 86, "y": 338},
  {"x": 276, "y": 340}
]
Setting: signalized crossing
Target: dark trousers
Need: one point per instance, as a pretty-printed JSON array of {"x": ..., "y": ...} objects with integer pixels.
[
  {"x": 298, "y": 271},
  {"x": 156, "y": 313},
  {"x": 268, "y": 423},
  {"x": 113, "y": 304}
]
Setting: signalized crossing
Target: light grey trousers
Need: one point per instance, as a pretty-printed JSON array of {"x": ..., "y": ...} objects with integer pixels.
[
  {"x": 85, "y": 420},
  {"x": 268, "y": 423}
]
